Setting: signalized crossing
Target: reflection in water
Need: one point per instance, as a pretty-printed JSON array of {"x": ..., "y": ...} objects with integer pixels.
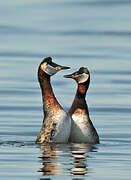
[
  {"x": 80, "y": 158},
  {"x": 69, "y": 159},
  {"x": 49, "y": 160}
]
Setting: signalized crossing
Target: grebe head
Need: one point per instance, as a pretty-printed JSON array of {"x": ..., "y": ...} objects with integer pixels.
[
  {"x": 81, "y": 76},
  {"x": 50, "y": 67}
]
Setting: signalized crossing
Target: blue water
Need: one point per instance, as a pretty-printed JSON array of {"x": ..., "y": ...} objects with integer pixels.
[{"x": 92, "y": 33}]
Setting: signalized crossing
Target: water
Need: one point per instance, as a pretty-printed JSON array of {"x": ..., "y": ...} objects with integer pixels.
[{"x": 91, "y": 33}]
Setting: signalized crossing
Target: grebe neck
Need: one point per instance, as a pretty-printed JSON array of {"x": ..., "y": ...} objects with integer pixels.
[
  {"x": 79, "y": 100},
  {"x": 50, "y": 103}
]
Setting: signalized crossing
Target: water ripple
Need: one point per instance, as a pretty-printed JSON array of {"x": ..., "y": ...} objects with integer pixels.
[
  {"x": 19, "y": 108},
  {"x": 41, "y": 55},
  {"x": 96, "y": 33},
  {"x": 17, "y": 92},
  {"x": 111, "y": 110},
  {"x": 113, "y": 72},
  {"x": 17, "y": 30},
  {"x": 121, "y": 82},
  {"x": 100, "y": 3}
]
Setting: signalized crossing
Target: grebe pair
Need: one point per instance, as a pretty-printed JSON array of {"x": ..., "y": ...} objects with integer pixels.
[{"x": 59, "y": 126}]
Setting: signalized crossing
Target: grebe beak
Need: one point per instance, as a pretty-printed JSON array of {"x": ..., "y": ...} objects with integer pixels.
[
  {"x": 70, "y": 76},
  {"x": 65, "y": 67},
  {"x": 59, "y": 67}
]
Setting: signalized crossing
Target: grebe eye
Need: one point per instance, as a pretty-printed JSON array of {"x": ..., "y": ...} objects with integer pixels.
[
  {"x": 58, "y": 68},
  {"x": 73, "y": 76}
]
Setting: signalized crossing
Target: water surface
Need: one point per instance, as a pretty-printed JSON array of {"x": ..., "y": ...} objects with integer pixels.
[{"x": 95, "y": 34}]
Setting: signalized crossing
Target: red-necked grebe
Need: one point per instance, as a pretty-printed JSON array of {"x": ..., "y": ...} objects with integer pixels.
[
  {"x": 82, "y": 129},
  {"x": 56, "y": 123}
]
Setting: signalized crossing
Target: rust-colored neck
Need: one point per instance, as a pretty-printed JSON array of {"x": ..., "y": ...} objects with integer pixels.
[
  {"x": 79, "y": 100},
  {"x": 82, "y": 89},
  {"x": 50, "y": 103}
]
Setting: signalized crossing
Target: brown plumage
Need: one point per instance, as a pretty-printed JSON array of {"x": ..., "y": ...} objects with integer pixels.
[
  {"x": 56, "y": 123},
  {"x": 82, "y": 129}
]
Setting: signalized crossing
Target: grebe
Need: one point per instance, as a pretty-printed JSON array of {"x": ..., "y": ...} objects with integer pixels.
[
  {"x": 56, "y": 123},
  {"x": 82, "y": 129}
]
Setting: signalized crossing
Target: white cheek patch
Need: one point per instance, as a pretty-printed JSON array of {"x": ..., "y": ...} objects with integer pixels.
[
  {"x": 82, "y": 78},
  {"x": 43, "y": 66},
  {"x": 50, "y": 70}
]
